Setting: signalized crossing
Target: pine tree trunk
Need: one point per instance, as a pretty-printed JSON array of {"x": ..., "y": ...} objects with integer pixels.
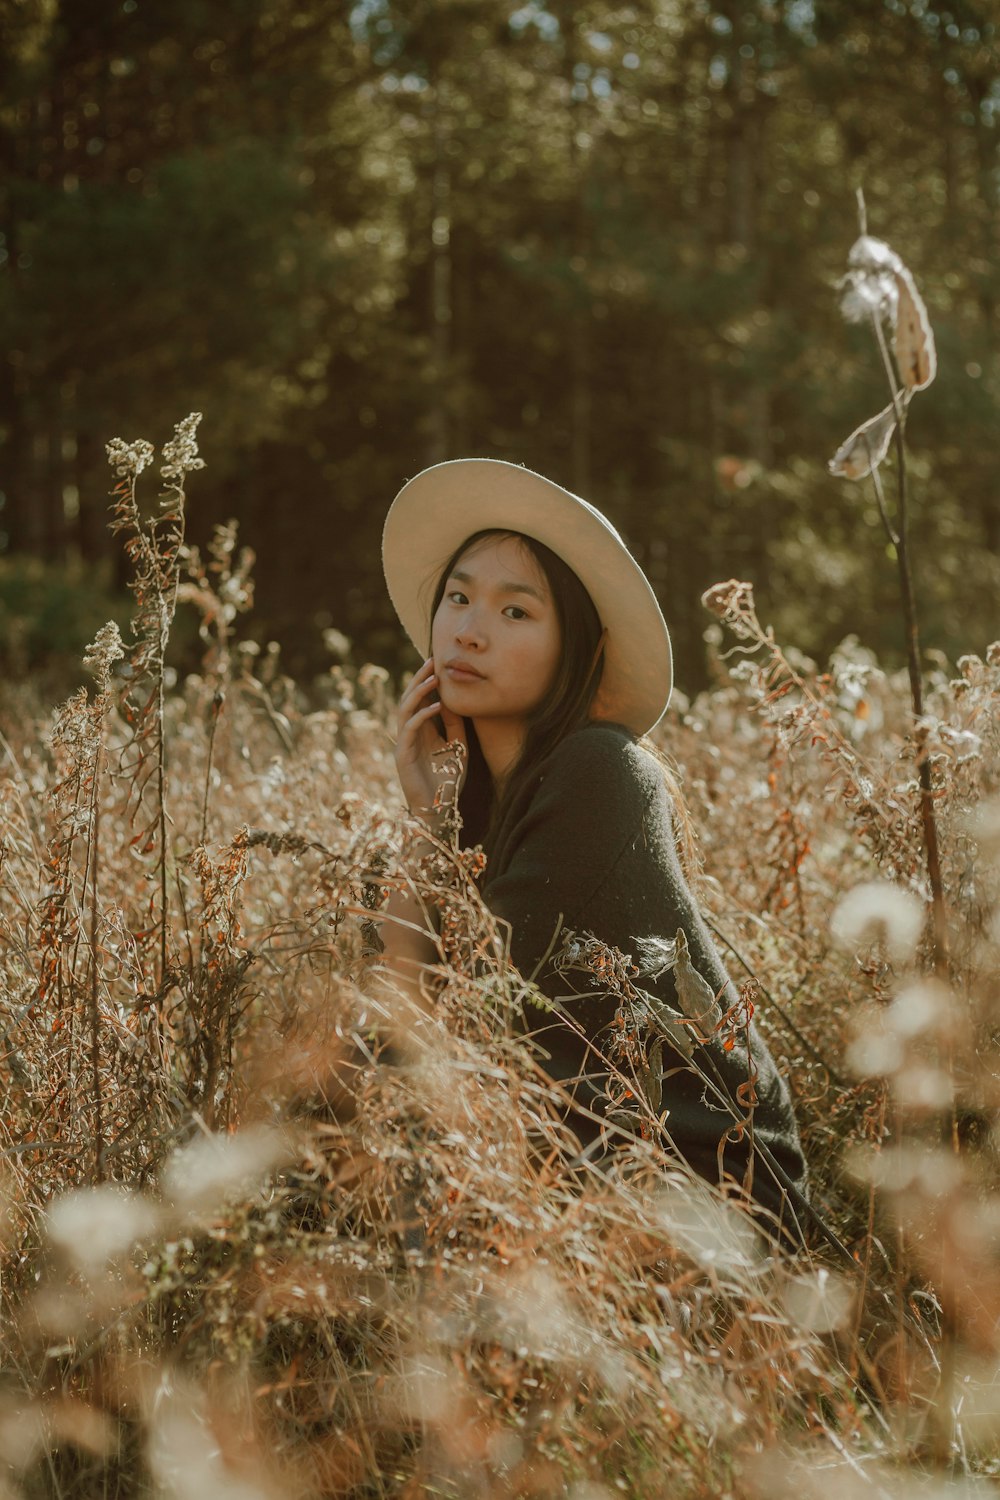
[{"x": 438, "y": 427}]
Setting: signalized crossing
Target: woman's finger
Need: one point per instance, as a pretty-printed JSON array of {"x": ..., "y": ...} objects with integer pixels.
[
  {"x": 416, "y": 687},
  {"x": 415, "y": 721},
  {"x": 410, "y": 699}
]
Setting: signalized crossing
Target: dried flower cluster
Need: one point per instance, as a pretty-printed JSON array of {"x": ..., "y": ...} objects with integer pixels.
[{"x": 180, "y": 454}]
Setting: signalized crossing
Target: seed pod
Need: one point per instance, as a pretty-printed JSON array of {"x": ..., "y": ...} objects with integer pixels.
[
  {"x": 866, "y": 447},
  {"x": 916, "y": 356},
  {"x": 695, "y": 995}
]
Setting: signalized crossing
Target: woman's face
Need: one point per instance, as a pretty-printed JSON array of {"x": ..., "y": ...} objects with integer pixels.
[{"x": 495, "y": 637}]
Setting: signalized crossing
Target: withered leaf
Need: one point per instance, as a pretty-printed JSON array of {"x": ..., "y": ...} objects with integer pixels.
[
  {"x": 651, "y": 1077},
  {"x": 916, "y": 355},
  {"x": 866, "y": 447},
  {"x": 695, "y": 995},
  {"x": 673, "y": 1028}
]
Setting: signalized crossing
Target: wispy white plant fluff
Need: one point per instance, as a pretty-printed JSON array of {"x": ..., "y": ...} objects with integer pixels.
[
  {"x": 91, "y": 1226},
  {"x": 876, "y": 910},
  {"x": 185, "y": 1457},
  {"x": 819, "y": 1301},
  {"x": 198, "y": 1177}
]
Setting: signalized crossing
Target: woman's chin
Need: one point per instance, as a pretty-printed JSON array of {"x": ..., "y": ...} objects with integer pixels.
[{"x": 457, "y": 698}]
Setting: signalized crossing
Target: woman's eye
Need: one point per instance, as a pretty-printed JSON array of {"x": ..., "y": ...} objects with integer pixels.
[
  {"x": 515, "y": 612},
  {"x": 457, "y": 597}
]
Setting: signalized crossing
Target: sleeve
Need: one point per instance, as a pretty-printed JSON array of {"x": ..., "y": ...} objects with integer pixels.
[{"x": 587, "y": 811}]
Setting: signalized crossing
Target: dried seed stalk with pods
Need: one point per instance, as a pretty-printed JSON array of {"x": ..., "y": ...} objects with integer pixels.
[{"x": 880, "y": 290}]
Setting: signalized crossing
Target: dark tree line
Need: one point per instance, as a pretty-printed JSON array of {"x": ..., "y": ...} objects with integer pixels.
[{"x": 599, "y": 239}]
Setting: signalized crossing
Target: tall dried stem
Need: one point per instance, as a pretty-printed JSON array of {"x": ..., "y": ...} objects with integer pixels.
[
  {"x": 101, "y": 657},
  {"x": 220, "y": 589},
  {"x": 154, "y": 546},
  {"x": 878, "y": 289},
  {"x": 899, "y": 537}
]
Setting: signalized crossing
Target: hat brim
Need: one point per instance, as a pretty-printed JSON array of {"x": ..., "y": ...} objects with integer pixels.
[{"x": 438, "y": 509}]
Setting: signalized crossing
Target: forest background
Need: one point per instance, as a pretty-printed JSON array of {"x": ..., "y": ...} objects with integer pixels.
[{"x": 598, "y": 239}]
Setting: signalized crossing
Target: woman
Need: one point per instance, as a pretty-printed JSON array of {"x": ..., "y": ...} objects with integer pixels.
[{"x": 549, "y": 659}]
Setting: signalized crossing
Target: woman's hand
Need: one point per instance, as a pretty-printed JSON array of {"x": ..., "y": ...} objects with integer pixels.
[{"x": 418, "y": 740}]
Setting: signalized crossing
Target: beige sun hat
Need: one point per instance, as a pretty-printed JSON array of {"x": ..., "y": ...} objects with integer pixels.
[{"x": 434, "y": 513}]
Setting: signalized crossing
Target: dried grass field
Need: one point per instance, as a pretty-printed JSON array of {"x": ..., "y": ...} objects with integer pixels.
[{"x": 266, "y": 1234}]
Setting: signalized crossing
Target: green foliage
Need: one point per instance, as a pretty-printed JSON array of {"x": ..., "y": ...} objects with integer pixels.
[
  {"x": 598, "y": 240},
  {"x": 48, "y": 613}
]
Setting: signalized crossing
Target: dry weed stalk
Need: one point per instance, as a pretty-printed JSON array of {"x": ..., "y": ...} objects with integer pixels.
[
  {"x": 220, "y": 590},
  {"x": 154, "y": 545},
  {"x": 879, "y": 289},
  {"x": 801, "y": 709}
]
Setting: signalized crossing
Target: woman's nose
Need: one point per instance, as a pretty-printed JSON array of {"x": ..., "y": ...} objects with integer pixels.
[{"x": 470, "y": 635}]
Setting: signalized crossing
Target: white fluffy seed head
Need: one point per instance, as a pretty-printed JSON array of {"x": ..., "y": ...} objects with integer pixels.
[
  {"x": 982, "y": 824},
  {"x": 875, "y": 911},
  {"x": 23, "y": 1433},
  {"x": 186, "y": 1459},
  {"x": 92, "y": 1226},
  {"x": 910, "y": 1169},
  {"x": 875, "y": 1050},
  {"x": 425, "y": 1389},
  {"x": 533, "y": 1316},
  {"x": 818, "y": 1301},
  {"x": 923, "y": 1089},
  {"x": 711, "y": 1233},
  {"x": 198, "y": 1178},
  {"x": 921, "y": 1008}
]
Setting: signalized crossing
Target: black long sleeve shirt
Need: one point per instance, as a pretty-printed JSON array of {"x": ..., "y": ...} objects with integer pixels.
[{"x": 589, "y": 847}]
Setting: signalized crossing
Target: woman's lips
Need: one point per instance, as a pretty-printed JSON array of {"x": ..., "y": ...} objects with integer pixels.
[{"x": 460, "y": 671}]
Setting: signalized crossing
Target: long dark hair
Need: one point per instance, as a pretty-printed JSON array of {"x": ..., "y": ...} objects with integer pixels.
[{"x": 565, "y": 707}]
